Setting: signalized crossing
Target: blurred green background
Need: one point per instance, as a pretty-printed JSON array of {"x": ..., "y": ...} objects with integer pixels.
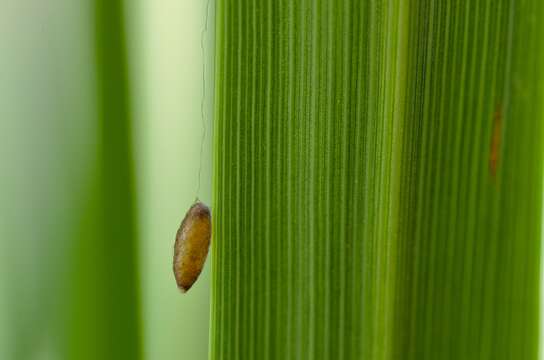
[{"x": 61, "y": 284}]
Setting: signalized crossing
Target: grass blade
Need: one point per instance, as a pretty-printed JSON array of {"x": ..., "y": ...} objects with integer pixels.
[{"x": 378, "y": 180}]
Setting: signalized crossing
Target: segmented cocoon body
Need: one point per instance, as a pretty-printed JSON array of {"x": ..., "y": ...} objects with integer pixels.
[{"x": 191, "y": 246}]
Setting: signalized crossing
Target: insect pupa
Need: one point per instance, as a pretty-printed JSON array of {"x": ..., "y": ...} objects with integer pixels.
[{"x": 191, "y": 246}]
